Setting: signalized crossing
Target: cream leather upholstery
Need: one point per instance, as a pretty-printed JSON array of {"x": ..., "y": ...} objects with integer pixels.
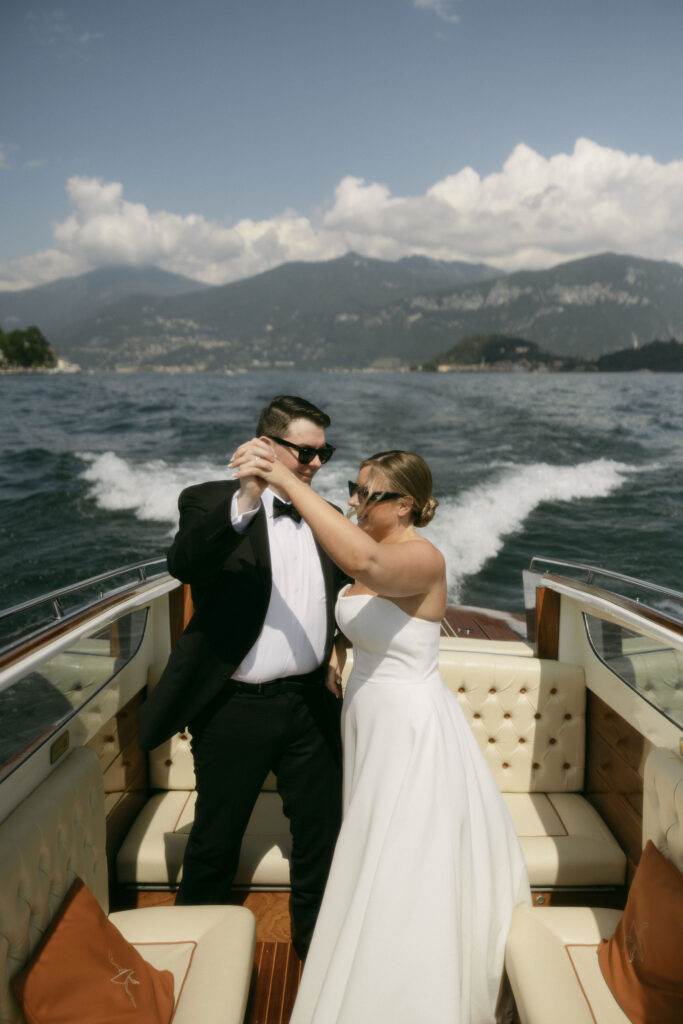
[
  {"x": 528, "y": 715},
  {"x": 58, "y": 833},
  {"x": 153, "y": 850},
  {"x": 551, "y": 953},
  {"x": 657, "y": 674}
]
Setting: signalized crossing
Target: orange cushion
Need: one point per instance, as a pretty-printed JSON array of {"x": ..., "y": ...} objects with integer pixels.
[
  {"x": 84, "y": 970},
  {"x": 642, "y": 962}
]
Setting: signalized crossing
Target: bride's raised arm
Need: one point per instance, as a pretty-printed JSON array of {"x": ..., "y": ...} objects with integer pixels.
[{"x": 413, "y": 566}]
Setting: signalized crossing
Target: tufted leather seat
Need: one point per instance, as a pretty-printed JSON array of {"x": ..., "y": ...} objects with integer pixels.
[
  {"x": 528, "y": 715},
  {"x": 58, "y": 833},
  {"x": 551, "y": 953}
]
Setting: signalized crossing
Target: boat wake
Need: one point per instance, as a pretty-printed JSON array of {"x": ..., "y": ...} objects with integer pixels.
[
  {"x": 147, "y": 489},
  {"x": 470, "y": 527}
]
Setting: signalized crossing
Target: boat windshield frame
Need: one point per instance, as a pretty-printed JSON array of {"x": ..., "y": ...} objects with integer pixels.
[{"x": 58, "y": 616}]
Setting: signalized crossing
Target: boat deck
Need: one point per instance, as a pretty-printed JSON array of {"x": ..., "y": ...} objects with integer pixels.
[{"x": 474, "y": 624}]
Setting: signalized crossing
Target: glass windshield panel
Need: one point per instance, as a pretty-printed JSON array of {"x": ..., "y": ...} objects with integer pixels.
[
  {"x": 34, "y": 707},
  {"x": 650, "y": 667}
]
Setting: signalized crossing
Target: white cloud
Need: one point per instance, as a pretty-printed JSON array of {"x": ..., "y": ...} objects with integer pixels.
[
  {"x": 52, "y": 29},
  {"x": 442, "y": 8},
  {"x": 533, "y": 213}
]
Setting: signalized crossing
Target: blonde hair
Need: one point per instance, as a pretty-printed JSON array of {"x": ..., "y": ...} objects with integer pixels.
[{"x": 406, "y": 473}]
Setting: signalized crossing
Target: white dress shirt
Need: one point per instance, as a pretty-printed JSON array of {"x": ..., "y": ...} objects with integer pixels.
[{"x": 292, "y": 640}]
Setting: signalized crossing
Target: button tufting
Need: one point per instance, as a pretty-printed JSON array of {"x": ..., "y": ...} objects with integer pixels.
[
  {"x": 566, "y": 766},
  {"x": 567, "y": 718},
  {"x": 492, "y": 690},
  {"x": 522, "y": 740},
  {"x": 537, "y": 715},
  {"x": 491, "y": 740},
  {"x": 461, "y": 689},
  {"x": 552, "y": 742},
  {"x": 506, "y": 715},
  {"x": 476, "y": 715},
  {"x": 523, "y": 690},
  {"x": 553, "y": 689},
  {"x": 535, "y": 765},
  {"x": 505, "y": 765}
]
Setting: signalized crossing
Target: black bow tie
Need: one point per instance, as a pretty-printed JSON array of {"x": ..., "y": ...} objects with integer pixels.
[{"x": 282, "y": 508}]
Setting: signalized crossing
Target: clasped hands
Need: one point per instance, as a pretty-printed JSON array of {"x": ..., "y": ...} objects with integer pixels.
[{"x": 256, "y": 466}]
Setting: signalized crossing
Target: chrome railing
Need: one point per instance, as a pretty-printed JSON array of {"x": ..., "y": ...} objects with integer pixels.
[
  {"x": 21, "y": 622},
  {"x": 617, "y": 583}
]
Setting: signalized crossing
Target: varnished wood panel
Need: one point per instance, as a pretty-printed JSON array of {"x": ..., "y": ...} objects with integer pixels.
[
  {"x": 476, "y": 625},
  {"x": 277, "y": 971},
  {"x": 615, "y": 773},
  {"x": 125, "y": 775},
  {"x": 181, "y": 610},
  {"x": 631, "y": 745},
  {"x": 547, "y": 623},
  {"x": 128, "y": 771},
  {"x": 271, "y": 909},
  {"x": 615, "y": 758},
  {"x": 119, "y": 732},
  {"x": 614, "y": 898}
]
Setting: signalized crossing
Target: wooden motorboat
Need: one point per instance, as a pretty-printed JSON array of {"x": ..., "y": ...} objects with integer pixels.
[{"x": 566, "y": 702}]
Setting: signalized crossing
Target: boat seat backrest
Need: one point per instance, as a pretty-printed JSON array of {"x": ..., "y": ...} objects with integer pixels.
[
  {"x": 663, "y": 803},
  {"x": 528, "y": 715},
  {"x": 55, "y": 835}
]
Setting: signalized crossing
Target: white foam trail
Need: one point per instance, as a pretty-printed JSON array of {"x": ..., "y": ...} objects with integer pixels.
[
  {"x": 471, "y": 528},
  {"x": 150, "y": 489}
]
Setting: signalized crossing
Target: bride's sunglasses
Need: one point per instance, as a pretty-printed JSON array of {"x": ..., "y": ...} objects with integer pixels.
[
  {"x": 304, "y": 452},
  {"x": 363, "y": 494}
]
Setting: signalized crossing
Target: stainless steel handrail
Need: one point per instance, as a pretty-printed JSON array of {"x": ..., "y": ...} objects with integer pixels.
[
  {"x": 55, "y": 596},
  {"x": 594, "y": 571}
]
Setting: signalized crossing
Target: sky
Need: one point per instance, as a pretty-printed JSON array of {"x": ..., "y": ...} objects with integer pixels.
[{"x": 220, "y": 138}]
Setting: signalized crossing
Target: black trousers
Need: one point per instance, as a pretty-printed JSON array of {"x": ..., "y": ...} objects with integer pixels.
[{"x": 236, "y": 741}]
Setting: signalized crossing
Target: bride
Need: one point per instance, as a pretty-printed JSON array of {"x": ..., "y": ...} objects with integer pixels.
[{"x": 427, "y": 868}]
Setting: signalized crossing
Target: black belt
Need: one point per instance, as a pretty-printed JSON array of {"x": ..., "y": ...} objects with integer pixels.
[{"x": 274, "y": 687}]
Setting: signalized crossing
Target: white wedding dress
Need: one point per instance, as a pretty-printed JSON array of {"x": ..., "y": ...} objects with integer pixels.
[{"x": 427, "y": 868}]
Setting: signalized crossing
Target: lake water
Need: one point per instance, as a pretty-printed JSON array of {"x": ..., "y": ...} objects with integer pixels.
[{"x": 570, "y": 466}]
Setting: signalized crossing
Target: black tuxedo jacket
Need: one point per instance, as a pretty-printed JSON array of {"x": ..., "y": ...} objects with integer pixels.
[{"x": 231, "y": 579}]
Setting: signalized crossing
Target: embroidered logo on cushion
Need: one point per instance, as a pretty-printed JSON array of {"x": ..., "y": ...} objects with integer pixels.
[
  {"x": 125, "y": 977},
  {"x": 633, "y": 941}
]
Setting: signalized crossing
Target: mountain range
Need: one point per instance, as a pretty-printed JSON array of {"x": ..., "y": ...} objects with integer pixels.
[{"x": 351, "y": 312}]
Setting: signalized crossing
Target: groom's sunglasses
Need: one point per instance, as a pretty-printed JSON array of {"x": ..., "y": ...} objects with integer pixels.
[
  {"x": 376, "y": 497},
  {"x": 304, "y": 452}
]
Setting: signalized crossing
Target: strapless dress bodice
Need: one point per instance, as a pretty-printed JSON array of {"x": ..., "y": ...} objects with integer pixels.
[{"x": 389, "y": 644}]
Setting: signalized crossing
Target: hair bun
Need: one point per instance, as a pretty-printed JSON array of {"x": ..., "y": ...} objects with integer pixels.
[{"x": 426, "y": 513}]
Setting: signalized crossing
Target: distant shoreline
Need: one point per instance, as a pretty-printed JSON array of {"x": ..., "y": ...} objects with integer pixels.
[{"x": 129, "y": 370}]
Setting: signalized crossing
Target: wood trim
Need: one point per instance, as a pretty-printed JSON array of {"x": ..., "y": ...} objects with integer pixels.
[
  {"x": 277, "y": 971},
  {"x": 180, "y": 610},
  {"x": 125, "y": 774},
  {"x": 547, "y": 623},
  {"x": 615, "y": 764},
  {"x": 476, "y": 625}
]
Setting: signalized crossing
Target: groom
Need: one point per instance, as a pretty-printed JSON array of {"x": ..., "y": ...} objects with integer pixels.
[{"x": 248, "y": 674}]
